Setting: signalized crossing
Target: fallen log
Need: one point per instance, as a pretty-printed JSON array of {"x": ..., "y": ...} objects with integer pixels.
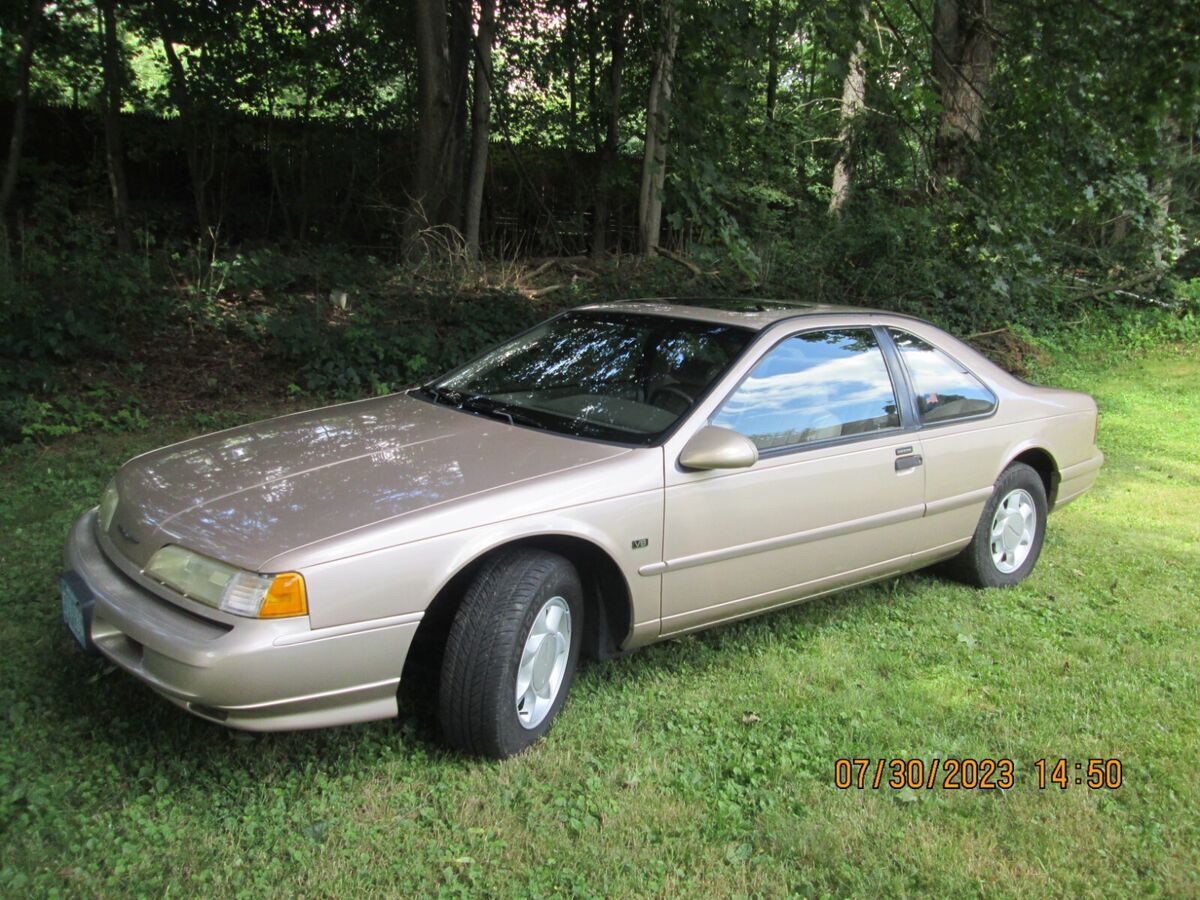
[
  {"x": 1115, "y": 288},
  {"x": 678, "y": 258}
]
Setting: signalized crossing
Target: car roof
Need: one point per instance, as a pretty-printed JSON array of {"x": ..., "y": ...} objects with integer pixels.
[{"x": 747, "y": 312}]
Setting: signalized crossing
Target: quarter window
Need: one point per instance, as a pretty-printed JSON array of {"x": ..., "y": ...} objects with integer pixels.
[
  {"x": 945, "y": 390},
  {"x": 815, "y": 386}
]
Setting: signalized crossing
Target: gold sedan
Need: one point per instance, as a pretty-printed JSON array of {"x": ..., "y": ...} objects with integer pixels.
[{"x": 620, "y": 474}]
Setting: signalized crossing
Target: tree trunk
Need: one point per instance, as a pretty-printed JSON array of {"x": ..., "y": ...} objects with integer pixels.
[
  {"x": 433, "y": 111},
  {"x": 481, "y": 108},
  {"x": 462, "y": 42},
  {"x": 773, "y": 60},
  {"x": 854, "y": 92},
  {"x": 432, "y": 195},
  {"x": 591, "y": 50},
  {"x": 20, "y": 104},
  {"x": 612, "y": 135},
  {"x": 114, "y": 153},
  {"x": 277, "y": 193},
  {"x": 962, "y": 68},
  {"x": 178, "y": 87},
  {"x": 654, "y": 161},
  {"x": 1163, "y": 186},
  {"x": 572, "y": 72},
  {"x": 304, "y": 202}
]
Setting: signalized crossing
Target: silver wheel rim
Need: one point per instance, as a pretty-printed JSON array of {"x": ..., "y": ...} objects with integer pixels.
[
  {"x": 543, "y": 662},
  {"x": 1013, "y": 528}
]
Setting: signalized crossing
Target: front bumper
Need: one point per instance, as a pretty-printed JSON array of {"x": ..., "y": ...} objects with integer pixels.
[{"x": 258, "y": 675}]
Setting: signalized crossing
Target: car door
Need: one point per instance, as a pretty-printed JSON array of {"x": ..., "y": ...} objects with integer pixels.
[
  {"x": 962, "y": 454},
  {"x": 833, "y": 498}
]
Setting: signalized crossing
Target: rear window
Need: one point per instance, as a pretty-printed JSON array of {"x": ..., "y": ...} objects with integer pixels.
[{"x": 945, "y": 390}]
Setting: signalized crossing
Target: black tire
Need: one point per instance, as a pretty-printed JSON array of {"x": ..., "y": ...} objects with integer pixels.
[
  {"x": 477, "y": 697},
  {"x": 975, "y": 564}
]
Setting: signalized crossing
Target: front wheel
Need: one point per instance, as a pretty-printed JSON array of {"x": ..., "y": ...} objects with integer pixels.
[
  {"x": 1008, "y": 539},
  {"x": 511, "y": 653}
]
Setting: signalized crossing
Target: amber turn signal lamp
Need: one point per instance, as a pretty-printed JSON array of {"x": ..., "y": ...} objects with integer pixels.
[{"x": 285, "y": 597}]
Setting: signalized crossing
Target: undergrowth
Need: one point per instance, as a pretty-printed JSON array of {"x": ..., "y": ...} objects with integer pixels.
[{"x": 92, "y": 341}]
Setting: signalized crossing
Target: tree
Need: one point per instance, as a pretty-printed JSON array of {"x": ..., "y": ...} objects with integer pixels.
[
  {"x": 443, "y": 53},
  {"x": 114, "y": 153},
  {"x": 962, "y": 67},
  {"x": 1080, "y": 122},
  {"x": 24, "y": 64},
  {"x": 773, "y": 26},
  {"x": 462, "y": 42},
  {"x": 854, "y": 93},
  {"x": 618, "y": 22},
  {"x": 658, "y": 120},
  {"x": 198, "y": 173},
  {"x": 481, "y": 108}
]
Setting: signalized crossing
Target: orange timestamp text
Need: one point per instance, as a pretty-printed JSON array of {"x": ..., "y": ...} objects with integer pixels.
[{"x": 970, "y": 774}]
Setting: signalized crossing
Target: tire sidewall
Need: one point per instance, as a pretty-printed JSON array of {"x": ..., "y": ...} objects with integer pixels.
[
  {"x": 511, "y": 734},
  {"x": 1017, "y": 477}
]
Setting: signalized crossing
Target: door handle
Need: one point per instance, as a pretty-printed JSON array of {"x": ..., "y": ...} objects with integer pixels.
[{"x": 908, "y": 462}]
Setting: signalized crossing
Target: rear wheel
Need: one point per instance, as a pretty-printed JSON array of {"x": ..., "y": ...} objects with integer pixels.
[
  {"x": 511, "y": 653},
  {"x": 1009, "y": 536}
]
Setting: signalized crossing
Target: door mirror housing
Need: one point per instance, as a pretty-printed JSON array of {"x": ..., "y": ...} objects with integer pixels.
[{"x": 714, "y": 447}]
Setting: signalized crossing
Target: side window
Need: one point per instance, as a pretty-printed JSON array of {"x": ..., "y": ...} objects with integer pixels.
[
  {"x": 945, "y": 390},
  {"x": 814, "y": 387}
]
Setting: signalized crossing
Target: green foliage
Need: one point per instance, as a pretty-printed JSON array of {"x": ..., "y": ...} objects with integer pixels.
[
  {"x": 707, "y": 199},
  {"x": 1114, "y": 332},
  {"x": 67, "y": 303},
  {"x": 388, "y": 342},
  {"x": 99, "y": 408},
  {"x": 302, "y": 120},
  {"x": 343, "y": 325}
]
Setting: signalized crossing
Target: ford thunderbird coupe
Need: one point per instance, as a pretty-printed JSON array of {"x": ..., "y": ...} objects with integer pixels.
[{"x": 620, "y": 474}]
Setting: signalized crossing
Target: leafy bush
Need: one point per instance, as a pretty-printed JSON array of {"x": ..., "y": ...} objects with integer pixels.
[
  {"x": 385, "y": 341},
  {"x": 102, "y": 408},
  {"x": 66, "y": 300},
  {"x": 85, "y": 334}
]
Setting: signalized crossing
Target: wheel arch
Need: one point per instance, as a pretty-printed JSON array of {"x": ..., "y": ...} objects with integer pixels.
[
  {"x": 608, "y": 600},
  {"x": 1041, "y": 461}
]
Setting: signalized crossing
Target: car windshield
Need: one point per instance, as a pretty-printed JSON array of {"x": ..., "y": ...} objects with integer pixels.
[{"x": 612, "y": 376}]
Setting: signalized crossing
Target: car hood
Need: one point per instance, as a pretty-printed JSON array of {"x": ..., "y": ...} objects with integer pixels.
[{"x": 251, "y": 493}]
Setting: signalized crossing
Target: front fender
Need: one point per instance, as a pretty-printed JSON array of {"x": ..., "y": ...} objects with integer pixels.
[{"x": 405, "y": 578}]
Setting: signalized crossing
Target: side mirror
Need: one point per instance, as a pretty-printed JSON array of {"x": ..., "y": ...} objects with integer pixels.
[{"x": 714, "y": 447}]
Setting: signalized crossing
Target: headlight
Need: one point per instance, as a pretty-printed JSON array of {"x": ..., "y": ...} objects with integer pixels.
[
  {"x": 108, "y": 505},
  {"x": 228, "y": 588}
]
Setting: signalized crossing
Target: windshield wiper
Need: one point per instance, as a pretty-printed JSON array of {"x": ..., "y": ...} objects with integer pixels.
[
  {"x": 481, "y": 404},
  {"x": 442, "y": 395}
]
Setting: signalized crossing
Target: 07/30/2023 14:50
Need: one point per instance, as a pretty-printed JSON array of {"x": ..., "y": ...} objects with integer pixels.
[{"x": 987, "y": 773}]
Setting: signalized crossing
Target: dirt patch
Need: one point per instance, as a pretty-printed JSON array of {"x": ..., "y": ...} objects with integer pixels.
[{"x": 182, "y": 372}]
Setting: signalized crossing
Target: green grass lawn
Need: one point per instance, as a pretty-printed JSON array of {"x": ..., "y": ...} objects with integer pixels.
[{"x": 703, "y": 766}]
